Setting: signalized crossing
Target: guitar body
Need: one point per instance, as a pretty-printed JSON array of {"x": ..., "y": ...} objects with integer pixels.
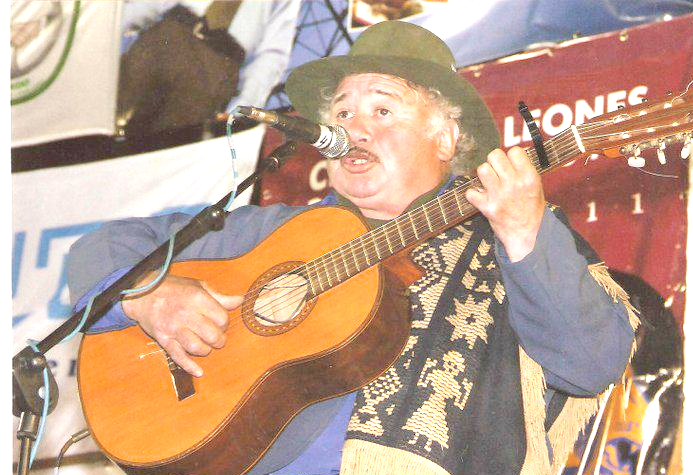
[{"x": 341, "y": 340}]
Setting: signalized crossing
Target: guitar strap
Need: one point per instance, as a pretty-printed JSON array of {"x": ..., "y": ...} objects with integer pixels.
[{"x": 219, "y": 14}]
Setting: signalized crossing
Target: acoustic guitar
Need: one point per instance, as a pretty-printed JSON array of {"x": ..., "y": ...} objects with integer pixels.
[{"x": 325, "y": 313}]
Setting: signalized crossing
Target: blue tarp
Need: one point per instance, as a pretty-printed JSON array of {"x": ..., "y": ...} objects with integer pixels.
[
  {"x": 510, "y": 26},
  {"x": 479, "y": 31}
]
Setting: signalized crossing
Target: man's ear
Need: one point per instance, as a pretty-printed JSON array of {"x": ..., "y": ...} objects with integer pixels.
[{"x": 447, "y": 138}]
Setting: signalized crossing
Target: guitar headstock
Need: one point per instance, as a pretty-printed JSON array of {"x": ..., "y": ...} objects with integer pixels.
[{"x": 629, "y": 131}]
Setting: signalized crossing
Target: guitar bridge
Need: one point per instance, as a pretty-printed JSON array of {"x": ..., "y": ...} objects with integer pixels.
[{"x": 182, "y": 380}]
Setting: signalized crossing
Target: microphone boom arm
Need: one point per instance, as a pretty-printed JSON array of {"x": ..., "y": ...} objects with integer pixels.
[{"x": 332, "y": 141}]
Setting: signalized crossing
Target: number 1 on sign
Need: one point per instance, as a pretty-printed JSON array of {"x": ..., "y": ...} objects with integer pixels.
[
  {"x": 593, "y": 212},
  {"x": 637, "y": 207},
  {"x": 637, "y": 203}
]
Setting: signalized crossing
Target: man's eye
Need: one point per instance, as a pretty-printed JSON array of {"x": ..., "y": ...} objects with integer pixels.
[
  {"x": 384, "y": 112},
  {"x": 344, "y": 115}
]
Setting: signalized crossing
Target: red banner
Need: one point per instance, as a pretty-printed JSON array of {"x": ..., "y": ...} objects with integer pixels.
[{"x": 634, "y": 219}]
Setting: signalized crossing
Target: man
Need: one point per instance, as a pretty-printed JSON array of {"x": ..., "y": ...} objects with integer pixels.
[
  {"x": 170, "y": 78},
  {"x": 507, "y": 303},
  {"x": 264, "y": 29}
]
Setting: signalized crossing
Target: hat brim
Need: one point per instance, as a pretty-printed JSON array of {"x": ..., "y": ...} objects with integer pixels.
[{"x": 309, "y": 83}]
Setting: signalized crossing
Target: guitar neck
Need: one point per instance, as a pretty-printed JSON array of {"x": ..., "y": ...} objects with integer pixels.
[{"x": 417, "y": 225}]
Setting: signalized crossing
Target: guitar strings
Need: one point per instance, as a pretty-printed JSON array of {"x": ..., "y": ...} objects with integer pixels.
[
  {"x": 670, "y": 102},
  {"x": 649, "y": 129},
  {"x": 646, "y": 130},
  {"x": 330, "y": 258},
  {"x": 294, "y": 296},
  {"x": 383, "y": 231}
]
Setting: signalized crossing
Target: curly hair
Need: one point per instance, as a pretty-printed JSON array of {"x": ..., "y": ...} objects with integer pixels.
[{"x": 443, "y": 110}]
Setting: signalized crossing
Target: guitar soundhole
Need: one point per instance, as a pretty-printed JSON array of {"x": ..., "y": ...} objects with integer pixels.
[{"x": 281, "y": 300}]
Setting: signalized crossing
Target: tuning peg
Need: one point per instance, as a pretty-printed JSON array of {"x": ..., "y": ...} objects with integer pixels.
[
  {"x": 636, "y": 162},
  {"x": 687, "y": 148},
  {"x": 660, "y": 152}
]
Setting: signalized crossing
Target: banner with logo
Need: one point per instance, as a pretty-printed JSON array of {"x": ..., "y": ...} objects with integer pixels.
[
  {"x": 64, "y": 69},
  {"x": 53, "y": 207}
]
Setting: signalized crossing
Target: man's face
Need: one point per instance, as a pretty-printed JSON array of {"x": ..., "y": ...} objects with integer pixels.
[{"x": 397, "y": 157}]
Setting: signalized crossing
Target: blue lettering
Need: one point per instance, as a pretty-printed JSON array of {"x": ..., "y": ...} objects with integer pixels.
[
  {"x": 16, "y": 319},
  {"x": 57, "y": 307},
  {"x": 17, "y": 254},
  {"x": 47, "y": 235}
]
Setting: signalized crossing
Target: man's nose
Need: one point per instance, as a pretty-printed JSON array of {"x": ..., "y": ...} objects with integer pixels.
[{"x": 359, "y": 130}]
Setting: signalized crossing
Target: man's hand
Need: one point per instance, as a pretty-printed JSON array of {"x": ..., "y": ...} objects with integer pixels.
[
  {"x": 185, "y": 316},
  {"x": 512, "y": 199}
]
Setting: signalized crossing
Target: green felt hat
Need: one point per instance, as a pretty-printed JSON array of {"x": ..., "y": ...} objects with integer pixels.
[{"x": 404, "y": 50}]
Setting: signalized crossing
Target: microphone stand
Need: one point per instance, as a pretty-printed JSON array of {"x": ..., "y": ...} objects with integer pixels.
[{"x": 29, "y": 364}]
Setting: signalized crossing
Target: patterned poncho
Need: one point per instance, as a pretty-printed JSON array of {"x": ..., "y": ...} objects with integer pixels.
[{"x": 463, "y": 397}]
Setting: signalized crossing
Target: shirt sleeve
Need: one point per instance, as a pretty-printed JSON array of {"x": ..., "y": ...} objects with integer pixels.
[
  {"x": 268, "y": 48},
  {"x": 139, "y": 15},
  {"x": 99, "y": 258},
  {"x": 563, "y": 319},
  {"x": 114, "y": 318}
]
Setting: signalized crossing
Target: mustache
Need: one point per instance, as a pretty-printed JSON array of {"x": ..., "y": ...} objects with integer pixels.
[{"x": 371, "y": 156}]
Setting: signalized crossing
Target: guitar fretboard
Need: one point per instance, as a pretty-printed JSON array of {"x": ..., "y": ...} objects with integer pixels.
[{"x": 417, "y": 225}]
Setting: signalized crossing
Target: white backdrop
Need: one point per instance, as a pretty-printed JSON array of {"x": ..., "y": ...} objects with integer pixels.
[
  {"x": 79, "y": 70},
  {"x": 53, "y": 207}
]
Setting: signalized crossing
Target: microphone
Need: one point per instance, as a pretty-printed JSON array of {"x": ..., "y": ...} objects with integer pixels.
[{"x": 332, "y": 141}]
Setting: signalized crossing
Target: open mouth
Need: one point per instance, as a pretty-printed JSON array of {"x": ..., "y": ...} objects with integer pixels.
[{"x": 358, "y": 160}]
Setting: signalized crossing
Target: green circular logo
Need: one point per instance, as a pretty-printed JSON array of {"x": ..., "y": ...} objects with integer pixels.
[{"x": 36, "y": 30}]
